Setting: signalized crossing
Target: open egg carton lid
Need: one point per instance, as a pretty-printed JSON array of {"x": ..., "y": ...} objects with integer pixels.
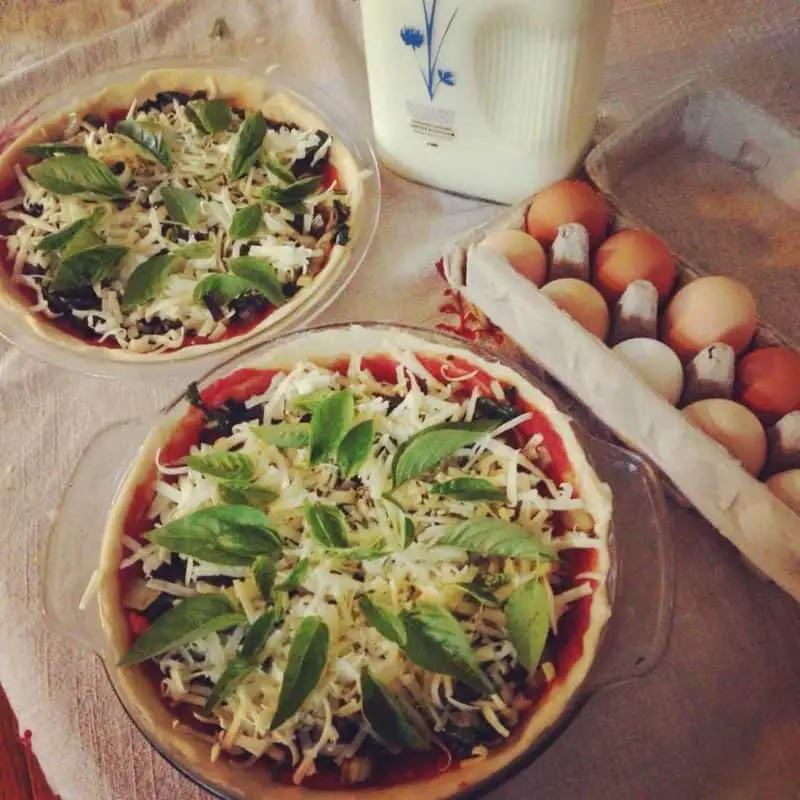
[{"x": 719, "y": 181}]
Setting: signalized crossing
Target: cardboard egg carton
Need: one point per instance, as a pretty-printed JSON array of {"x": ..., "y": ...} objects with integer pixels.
[{"x": 713, "y": 128}]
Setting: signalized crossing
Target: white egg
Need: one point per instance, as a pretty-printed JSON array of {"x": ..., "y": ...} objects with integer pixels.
[{"x": 656, "y": 364}]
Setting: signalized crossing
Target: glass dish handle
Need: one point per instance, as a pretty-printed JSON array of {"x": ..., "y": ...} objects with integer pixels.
[
  {"x": 73, "y": 544},
  {"x": 643, "y": 583}
]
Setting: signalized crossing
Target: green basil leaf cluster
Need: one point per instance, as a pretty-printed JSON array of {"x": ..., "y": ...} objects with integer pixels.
[
  {"x": 54, "y": 242},
  {"x": 493, "y": 537},
  {"x": 209, "y": 116},
  {"x": 291, "y": 196},
  {"x": 246, "y": 221},
  {"x": 76, "y": 173},
  {"x": 149, "y": 138},
  {"x": 226, "y": 535},
  {"x": 187, "y": 621},
  {"x": 528, "y": 622},
  {"x": 247, "y": 661},
  {"x": 248, "y": 145},
  {"x": 385, "y": 715},
  {"x": 182, "y": 205},
  {"x": 426, "y": 449},
  {"x": 308, "y": 656},
  {"x": 85, "y": 260}
]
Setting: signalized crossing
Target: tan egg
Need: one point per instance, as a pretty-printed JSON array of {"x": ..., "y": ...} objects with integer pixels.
[
  {"x": 768, "y": 382},
  {"x": 582, "y": 302},
  {"x": 786, "y": 487},
  {"x": 565, "y": 202},
  {"x": 523, "y": 252},
  {"x": 631, "y": 256},
  {"x": 735, "y": 427},
  {"x": 707, "y": 311}
]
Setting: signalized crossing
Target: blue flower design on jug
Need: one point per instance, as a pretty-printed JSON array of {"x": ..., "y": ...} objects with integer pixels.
[{"x": 415, "y": 38}]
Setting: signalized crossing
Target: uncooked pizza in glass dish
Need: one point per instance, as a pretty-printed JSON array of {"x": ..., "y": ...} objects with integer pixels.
[
  {"x": 166, "y": 212},
  {"x": 362, "y": 559}
]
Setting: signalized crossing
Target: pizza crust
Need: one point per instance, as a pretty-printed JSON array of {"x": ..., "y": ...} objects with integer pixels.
[
  {"x": 187, "y": 747},
  {"x": 251, "y": 94}
]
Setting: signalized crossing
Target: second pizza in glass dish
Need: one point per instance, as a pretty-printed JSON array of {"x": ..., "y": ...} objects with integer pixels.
[
  {"x": 174, "y": 212},
  {"x": 368, "y": 559}
]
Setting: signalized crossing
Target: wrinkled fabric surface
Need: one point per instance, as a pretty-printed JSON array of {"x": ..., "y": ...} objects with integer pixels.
[{"x": 718, "y": 718}]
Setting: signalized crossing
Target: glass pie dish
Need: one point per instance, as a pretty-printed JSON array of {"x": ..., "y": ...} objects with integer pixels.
[
  {"x": 640, "y": 582},
  {"x": 43, "y": 339}
]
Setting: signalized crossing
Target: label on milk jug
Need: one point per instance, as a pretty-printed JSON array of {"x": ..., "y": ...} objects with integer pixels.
[{"x": 431, "y": 122}]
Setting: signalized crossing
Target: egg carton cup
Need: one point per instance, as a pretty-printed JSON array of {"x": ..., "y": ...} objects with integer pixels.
[{"x": 608, "y": 397}]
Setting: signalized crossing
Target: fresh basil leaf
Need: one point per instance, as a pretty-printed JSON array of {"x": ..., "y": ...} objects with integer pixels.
[
  {"x": 236, "y": 670},
  {"x": 409, "y": 534},
  {"x": 528, "y": 622},
  {"x": 363, "y": 553},
  {"x": 329, "y": 424},
  {"x": 311, "y": 400},
  {"x": 354, "y": 448},
  {"x": 487, "y": 408},
  {"x": 436, "y": 642},
  {"x": 148, "y": 280},
  {"x": 308, "y": 655},
  {"x": 247, "y": 662},
  {"x": 46, "y": 149},
  {"x": 83, "y": 239},
  {"x": 384, "y": 619},
  {"x": 296, "y": 576},
  {"x": 76, "y": 174},
  {"x": 148, "y": 137},
  {"x": 494, "y": 537},
  {"x": 480, "y": 592},
  {"x": 277, "y": 169},
  {"x": 248, "y": 145},
  {"x": 87, "y": 267},
  {"x": 194, "y": 117},
  {"x": 261, "y": 274},
  {"x": 222, "y": 287},
  {"x": 227, "y": 535},
  {"x": 182, "y": 205},
  {"x": 237, "y": 493},
  {"x": 284, "y": 434},
  {"x": 327, "y": 525},
  {"x": 264, "y": 574},
  {"x": 56, "y": 241},
  {"x": 186, "y": 622},
  {"x": 256, "y": 638},
  {"x": 293, "y": 194},
  {"x": 386, "y": 717},
  {"x": 246, "y": 221},
  {"x": 209, "y": 116},
  {"x": 194, "y": 250},
  {"x": 228, "y": 466},
  {"x": 428, "y": 448},
  {"x": 477, "y": 489},
  {"x": 400, "y": 521}
]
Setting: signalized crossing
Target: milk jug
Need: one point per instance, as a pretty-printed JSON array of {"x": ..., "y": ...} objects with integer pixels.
[{"x": 488, "y": 98}]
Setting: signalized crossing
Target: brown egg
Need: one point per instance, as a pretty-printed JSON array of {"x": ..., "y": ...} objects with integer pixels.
[
  {"x": 523, "y": 252},
  {"x": 582, "y": 302},
  {"x": 786, "y": 487},
  {"x": 710, "y": 310},
  {"x": 631, "y": 256},
  {"x": 565, "y": 202},
  {"x": 768, "y": 382},
  {"x": 732, "y": 425}
]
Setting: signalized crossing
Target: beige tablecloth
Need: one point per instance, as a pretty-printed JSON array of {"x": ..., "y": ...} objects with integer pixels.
[{"x": 719, "y": 718}]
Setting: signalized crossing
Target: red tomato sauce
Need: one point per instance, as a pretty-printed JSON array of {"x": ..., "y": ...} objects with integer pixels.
[{"x": 567, "y": 645}]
